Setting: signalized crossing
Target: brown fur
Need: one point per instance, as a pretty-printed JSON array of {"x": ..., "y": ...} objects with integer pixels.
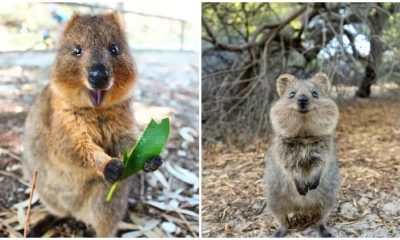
[
  {"x": 302, "y": 174},
  {"x": 68, "y": 140},
  {"x": 320, "y": 121}
]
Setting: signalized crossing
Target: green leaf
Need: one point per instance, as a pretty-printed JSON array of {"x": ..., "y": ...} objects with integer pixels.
[{"x": 149, "y": 145}]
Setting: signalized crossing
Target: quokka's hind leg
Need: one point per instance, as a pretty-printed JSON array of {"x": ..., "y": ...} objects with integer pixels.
[
  {"x": 51, "y": 221},
  {"x": 104, "y": 216},
  {"x": 323, "y": 229},
  {"x": 41, "y": 227},
  {"x": 319, "y": 217},
  {"x": 283, "y": 225}
]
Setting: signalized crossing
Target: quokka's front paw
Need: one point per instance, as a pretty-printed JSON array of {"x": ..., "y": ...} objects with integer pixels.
[
  {"x": 152, "y": 164},
  {"x": 113, "y": 170},
  {"x": 313, "y": 183},
  {"x": 301, "y": 187}
]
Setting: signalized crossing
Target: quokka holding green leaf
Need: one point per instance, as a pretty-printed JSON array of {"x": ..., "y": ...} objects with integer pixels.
[{"x": 80, "y": 125}]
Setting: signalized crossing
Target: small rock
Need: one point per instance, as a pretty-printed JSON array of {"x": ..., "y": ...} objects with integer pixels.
[
  {"x": 181, "y": 153},
  {"x": 384, "y": 195},
  {"x": 348, "y": 210},
  {"x": 363, "y": 201},
  {"x": 310, "y": 232},
  {"x": 391, "y": 209},
  {"x": 168, "y": 227},
  {"x": 187, "y": 133},
  {"x": 12, "y": 168},
  {"x": 185, "y": 145},
  {"x": 378, "y": 233},
  {"x": 133, "y": 234},
  {"x": 372, "y": 218},
  {"x": 369, "y": 195},
  {"x": 178, "y": 230},
  {"x": 368, "y": 222},
  {"x": 174, "y": 203}
]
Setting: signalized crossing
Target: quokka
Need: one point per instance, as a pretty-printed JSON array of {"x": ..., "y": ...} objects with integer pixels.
[
  {"x": 81, "y": 123},
  {"x": 302, "y": 173}
]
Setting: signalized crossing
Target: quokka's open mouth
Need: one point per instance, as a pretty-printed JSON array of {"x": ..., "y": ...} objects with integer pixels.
[
  {"x": 304, "y": 111},
  {"x": 96, "y": 96}
]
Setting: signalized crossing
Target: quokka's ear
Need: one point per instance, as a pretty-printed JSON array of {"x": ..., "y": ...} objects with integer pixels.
[
  {"x": 117, "y": 18},
  {"x": 283, "y": 82},
  {"x": 71, "y": 21},
  {"x": 323, "y": 82}
]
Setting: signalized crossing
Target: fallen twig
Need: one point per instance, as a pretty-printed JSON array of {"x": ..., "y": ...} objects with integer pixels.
[
  {"x": 29, "y": 206},
  {"x": 186, "y": 223},
  {"x": 12, "y": 233}
]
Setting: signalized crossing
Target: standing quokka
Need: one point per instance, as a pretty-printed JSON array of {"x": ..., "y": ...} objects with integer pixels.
[
  {"x": 81, "y": 123},
  {"x": 302, "y": 173}
]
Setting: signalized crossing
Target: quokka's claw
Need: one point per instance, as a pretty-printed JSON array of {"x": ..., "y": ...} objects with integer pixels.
[{"x": 152, "y": 164}]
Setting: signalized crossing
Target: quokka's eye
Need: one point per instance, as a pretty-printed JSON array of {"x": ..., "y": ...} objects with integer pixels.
[
  {"x": 292, "y": 94},
  {"x": 315, "y": 94},
  {"x": 114, "y": 49},
  {"x": 78, "y": 50}
]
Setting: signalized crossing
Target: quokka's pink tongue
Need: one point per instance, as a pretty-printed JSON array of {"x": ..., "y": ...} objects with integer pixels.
[
  {"x": 99, "y": 96},
  {"x": 96, "y": 97}
]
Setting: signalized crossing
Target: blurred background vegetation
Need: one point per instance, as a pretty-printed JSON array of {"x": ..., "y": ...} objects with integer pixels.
[
  {"x": 155, "y": 25},
  {"x": 246, "y": 46}
]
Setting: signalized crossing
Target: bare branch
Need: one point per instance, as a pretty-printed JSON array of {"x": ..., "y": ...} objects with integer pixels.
[{"x": 252, "y": 42}]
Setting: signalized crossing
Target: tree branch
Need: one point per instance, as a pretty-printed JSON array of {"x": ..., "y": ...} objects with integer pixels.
[{"x": 252, "y": 43}]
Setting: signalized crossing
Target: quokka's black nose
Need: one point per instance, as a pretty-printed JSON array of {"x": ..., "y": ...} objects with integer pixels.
[
  {"x": 302, "y": 101},
  {"x": 98, "y": 77}
]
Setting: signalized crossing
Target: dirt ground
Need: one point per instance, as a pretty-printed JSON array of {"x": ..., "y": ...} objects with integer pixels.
[
  {"x": 368, "y": 146},
  {"x": 168, "y": 203}
]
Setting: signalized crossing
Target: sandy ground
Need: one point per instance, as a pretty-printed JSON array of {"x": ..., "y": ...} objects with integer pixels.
[
  {"x": 368, "y": 146},
  {"x": 167, "y": 86}
]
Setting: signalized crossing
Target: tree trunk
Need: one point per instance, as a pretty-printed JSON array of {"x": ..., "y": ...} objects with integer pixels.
[
  {"x": 364, "y": 90},
  {"x": 376, "y": 20}
]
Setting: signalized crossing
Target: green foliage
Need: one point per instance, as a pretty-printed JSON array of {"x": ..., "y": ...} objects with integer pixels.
[
  {"x": 391, "y": 34},
  {"x": 235, "y": 22},
  {"x": 150, "y": 144}
]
